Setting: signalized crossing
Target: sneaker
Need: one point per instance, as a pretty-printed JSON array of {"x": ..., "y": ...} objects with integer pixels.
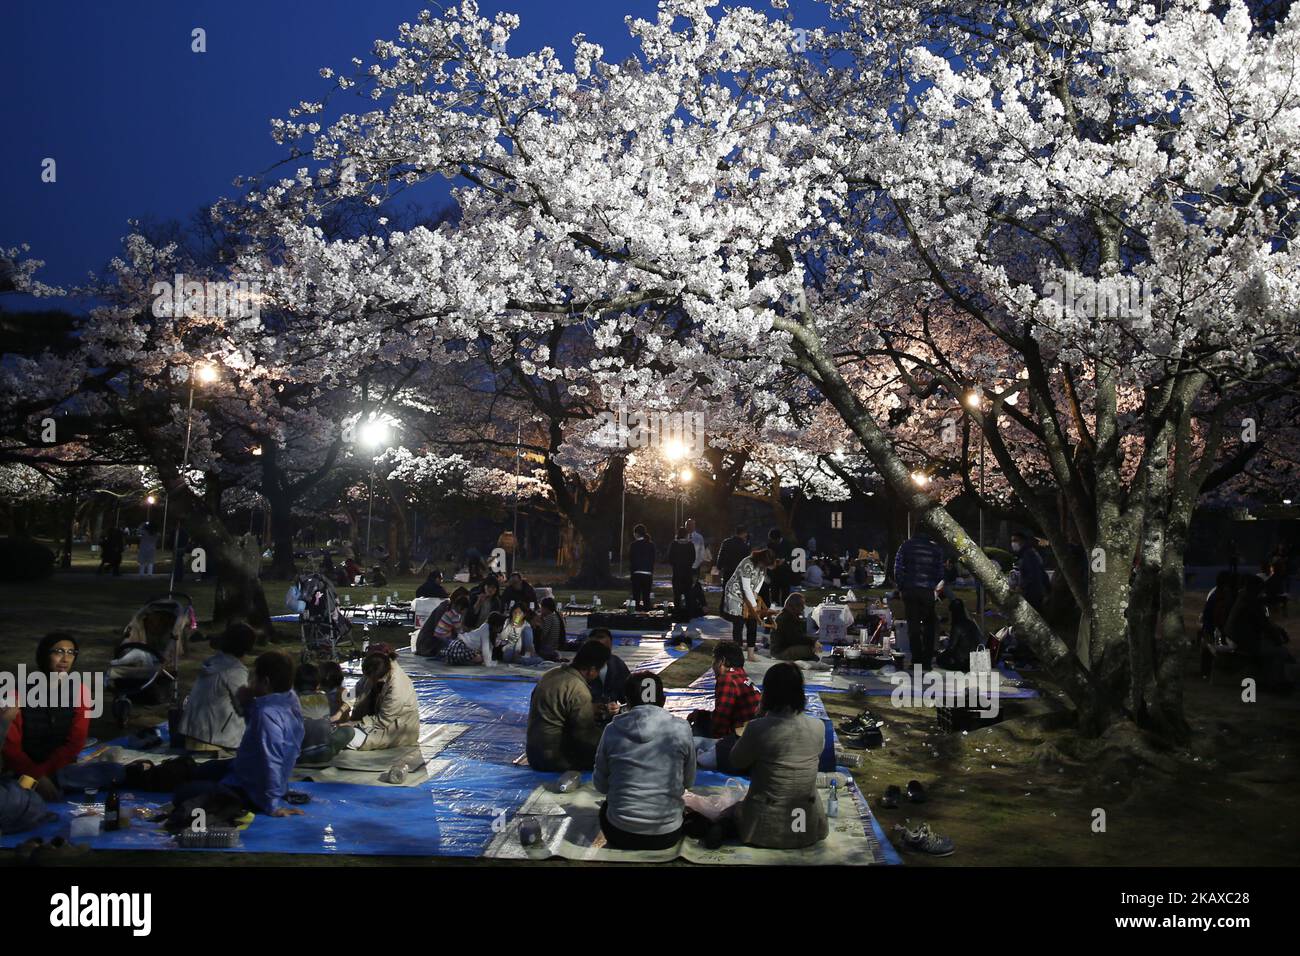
[{"x": 924, "y": 840}]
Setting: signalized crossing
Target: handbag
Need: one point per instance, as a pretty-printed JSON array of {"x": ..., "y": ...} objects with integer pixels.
[{"x": 980, "y": 662}]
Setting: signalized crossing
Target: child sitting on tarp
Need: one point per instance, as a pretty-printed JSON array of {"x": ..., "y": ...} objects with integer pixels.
[
  {"x": 331, "y": 682},
  {"x": 317, "y": 730},
  {"x": 212, "y": 719}
]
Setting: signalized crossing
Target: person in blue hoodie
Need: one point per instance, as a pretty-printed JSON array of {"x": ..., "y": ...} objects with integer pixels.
[
  {"x": 257, "y": 777},
  {"x": 644, "y": 764}
]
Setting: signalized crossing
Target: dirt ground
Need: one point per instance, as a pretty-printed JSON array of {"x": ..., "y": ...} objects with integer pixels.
[{"x": 1025, "y": 791}]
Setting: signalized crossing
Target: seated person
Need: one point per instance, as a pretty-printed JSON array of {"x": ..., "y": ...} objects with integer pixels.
[
  {"x": 519, "y": 591},
  {"x": 790, "y": 638},
  {"x": 645, "y": 761},
  {"x": 548, "y": 631},
  {"x": 317, "y": 728},
  {"x": 484, "y": 600},
  {"x": 386, "y": 713},
  {"x": 352, "y": 573},
  {"x": 780, "y": 751},
  {"x": 331, "y": 682},
  {"x": 257, "y": 777},
  {"x": 377, "y": 577},
  {"x": 42, "y": 740},
  {"x": 696, "y": 603},
  {"x": 442, "y": 626},
  {"x": 735, "y": 702},
  {"x": 608, "y": 687},
  {"x": 212, "y": 719},
  {"x": 432, "y": 586},
  {"x": 963, "y": 638},
  {"x": 515, "y": 640},
  {"x": 813, "y": 577},
  {"x": 562, "y": 728},
  {"x": 21, "y": 807},
  {"x": 476, "y": 646}
]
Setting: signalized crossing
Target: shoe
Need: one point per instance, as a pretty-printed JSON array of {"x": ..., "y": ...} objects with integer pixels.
[
  {"x": 915, "y": 792},
  {"x": 891, "y": 797},
  {"x": 922, "y": 839}
]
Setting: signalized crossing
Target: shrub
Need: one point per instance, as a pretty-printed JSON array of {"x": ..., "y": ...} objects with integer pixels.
[{"x": 23, "y": 559}]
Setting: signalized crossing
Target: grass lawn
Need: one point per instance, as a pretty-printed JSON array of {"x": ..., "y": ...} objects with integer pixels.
[{"x": 1020, "y": 792}]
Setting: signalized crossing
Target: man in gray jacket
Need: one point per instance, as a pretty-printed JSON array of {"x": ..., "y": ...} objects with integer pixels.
[{"x": 645, "y": 761}]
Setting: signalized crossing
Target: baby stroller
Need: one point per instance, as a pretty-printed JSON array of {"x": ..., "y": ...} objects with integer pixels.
[
  {"x": 326, "y": 632},
  {"x": 152, "y": 642}
]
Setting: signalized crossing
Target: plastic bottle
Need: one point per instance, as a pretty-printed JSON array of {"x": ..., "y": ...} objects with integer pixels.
[
  {"x": 113, "y": 811},
  {"x": 833, "y": 804},
  {"x": 569, "y": 781},
  {"x": 397, "y": 773}
]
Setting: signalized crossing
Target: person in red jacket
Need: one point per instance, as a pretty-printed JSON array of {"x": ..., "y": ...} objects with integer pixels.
[{"x": 44, "y": 739}]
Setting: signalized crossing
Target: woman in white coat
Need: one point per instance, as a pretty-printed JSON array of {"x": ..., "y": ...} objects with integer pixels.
[{"x": 740, "y": 598}]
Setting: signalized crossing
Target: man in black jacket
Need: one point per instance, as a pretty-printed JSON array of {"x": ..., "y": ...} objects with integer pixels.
[
  {"x": 733, "y": 550},
  {"x": 681, "y": 556},
  {"x": 641, "y": 556}
]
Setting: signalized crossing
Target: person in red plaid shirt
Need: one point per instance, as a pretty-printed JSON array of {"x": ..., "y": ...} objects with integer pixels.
[{"x": 735, "y": 703}]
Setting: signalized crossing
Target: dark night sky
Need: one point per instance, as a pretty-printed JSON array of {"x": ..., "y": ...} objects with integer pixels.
[{"x": 141, "y": 127}]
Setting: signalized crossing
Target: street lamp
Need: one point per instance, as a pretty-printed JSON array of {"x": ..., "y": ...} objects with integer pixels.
[
  {"x": 921, "y": 480},
  {"x": 374, "y": 435},
  {"x": 975, "y": 401},
  {"x": 148, "y": 511},
  {"x": 206, "y": 373}
]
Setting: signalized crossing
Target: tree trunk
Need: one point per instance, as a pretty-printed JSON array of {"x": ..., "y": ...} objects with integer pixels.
[{"x": 283, "y": 564}]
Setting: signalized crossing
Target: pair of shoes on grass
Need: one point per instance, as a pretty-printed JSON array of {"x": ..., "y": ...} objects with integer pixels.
[
  {"x": 863, "y": 731},
  {"x": 893, "y": 796}
]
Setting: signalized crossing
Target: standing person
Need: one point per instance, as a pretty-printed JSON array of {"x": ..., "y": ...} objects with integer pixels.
[
  {"x": 641, "y": 558},
  {"x": 731, "y": 552},
  {"x": 681, "y": 556},
  {"x": 148, "y": 551},
  {"x": 781, "y": 576},
  {"x": 740, "y": 598},
  {"x": 1034, "y": 583},
  {"x": 178, "y": 557},
  {"x": 918, "y": 569},
  {"x": 697, "y": 542},
  {"x": 112, "y": 545},
  {"x": 644, "y": 763},
  {"x": 563, "y": 731}
]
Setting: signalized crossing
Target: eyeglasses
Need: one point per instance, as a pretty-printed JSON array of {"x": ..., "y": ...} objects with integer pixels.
[{"x": 64, "y": 652}]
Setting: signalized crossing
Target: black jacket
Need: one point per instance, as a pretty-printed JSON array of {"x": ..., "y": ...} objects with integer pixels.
[
  {"x": 681, "y": 555},
  {"x": 641, "y": 554},
  {"x": 733, "y": 551}
]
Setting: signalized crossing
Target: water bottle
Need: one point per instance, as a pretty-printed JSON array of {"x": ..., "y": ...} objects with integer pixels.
[
  {"x": 397, "y": 773},
  {"x": 569, "y": 781},
  {"x": 833, "y": 804},
  {"x": 573, "y": 600},
  {"x": 530, "y": 832},
  {"x": 595, "y": 600}
]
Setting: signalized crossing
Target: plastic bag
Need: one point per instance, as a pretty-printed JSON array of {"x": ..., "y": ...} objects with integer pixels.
[
  {"x": 980, "y": 662},
  {"x": 714, "y": 805}
]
